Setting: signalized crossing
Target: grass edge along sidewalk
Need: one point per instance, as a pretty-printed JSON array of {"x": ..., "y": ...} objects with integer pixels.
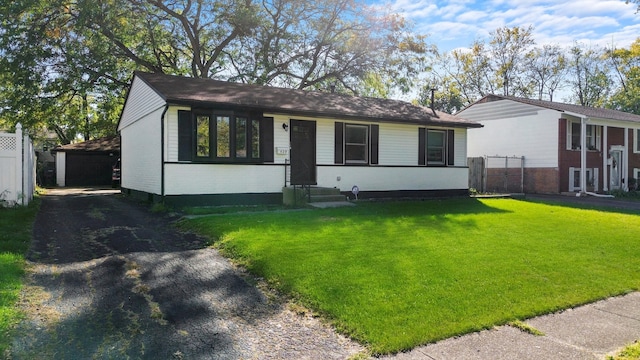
[
  {"x": 16, "y": 225},
  {"x": 395, "y": 275}
]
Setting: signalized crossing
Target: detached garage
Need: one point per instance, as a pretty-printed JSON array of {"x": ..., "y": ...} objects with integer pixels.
[{"x": 87, "y": 163}]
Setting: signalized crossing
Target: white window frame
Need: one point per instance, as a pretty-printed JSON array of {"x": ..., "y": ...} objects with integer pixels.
[
  {"x": 592, "y": 173},
  {"x": 636, "y": 141},
  {"x": 444, "y": 148},
  {"x": 365, "y": 145},
  {"x": 596, "y": 138}
]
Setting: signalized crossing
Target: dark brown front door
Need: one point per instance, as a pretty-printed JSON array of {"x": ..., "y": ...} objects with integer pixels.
[{"x": 303, "y": 152}]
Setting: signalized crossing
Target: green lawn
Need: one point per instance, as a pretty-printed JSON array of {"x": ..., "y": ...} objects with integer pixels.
[
  {"x": 395, "y": 275},
  {"x": 15, "y": 237}
]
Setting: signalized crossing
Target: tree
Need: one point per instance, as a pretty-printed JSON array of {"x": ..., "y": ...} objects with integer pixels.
[
  {"x": 447, "y": 96},
  {"x": 626, "y": 66},
  {"x": 60, "y": 52},
  {"x": 589, "y": 76},
  {"x": 468, "y": 72},
  {"x": 509, "y": 49},
  {"x": 547, "y": 66}
]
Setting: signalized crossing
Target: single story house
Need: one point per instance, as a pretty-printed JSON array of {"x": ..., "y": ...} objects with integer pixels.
[
  {"x": 202, "y": 141},
  {"x": 566, "y": 148},
  {"x": 87, "y": 163}
]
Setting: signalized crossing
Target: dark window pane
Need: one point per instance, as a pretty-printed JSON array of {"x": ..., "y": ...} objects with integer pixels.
[
  {"x": 435, "y": 138},
  {"x": 223, "y": 136},
  {"x": 241, "y": 137},
  {"x": 255, "y": 139},
  {"x": 435, "y": 147},
  {"x": 575, "y": 135},
  {"x": 202, "y": 135},
  {"x": 356, "y": 134},
  {"x": 356, "y": 153}
]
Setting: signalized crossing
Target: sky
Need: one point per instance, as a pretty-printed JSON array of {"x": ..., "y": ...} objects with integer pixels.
[{"x": 457, "y": 23}]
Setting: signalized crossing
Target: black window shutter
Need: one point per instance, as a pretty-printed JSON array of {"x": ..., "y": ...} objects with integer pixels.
[
  {"x": 422, "y": 146},
  {"x": 375, "y": 134},
  {"x": 267, "y": 139},
  {"x": 185, "y": 136},
  {"x": 450, "y": 146},
  {"x": 339, "y": 143}
]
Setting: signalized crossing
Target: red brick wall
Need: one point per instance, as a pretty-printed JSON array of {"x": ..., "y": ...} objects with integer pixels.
[
  {"x": 541, "y": 181},
  {"x": 571, "y": 158}
]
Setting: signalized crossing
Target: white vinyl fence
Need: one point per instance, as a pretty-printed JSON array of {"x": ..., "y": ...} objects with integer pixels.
[{"x": 17, "y": 168}]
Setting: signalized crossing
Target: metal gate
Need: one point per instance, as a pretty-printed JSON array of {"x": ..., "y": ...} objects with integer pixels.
[
  {"x": 496, "y": 174},
  {"x": 504, "y": 174}
]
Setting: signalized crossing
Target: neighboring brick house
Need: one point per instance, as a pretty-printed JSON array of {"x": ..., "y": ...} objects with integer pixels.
[{"x": 550, "y": 136}]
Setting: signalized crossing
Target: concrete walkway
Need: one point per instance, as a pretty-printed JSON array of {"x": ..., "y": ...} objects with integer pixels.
[{"x": 587, "y": 332}]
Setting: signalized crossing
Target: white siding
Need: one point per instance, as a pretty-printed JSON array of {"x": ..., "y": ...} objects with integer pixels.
[
  {"x": 514, "y": 129},
  {"x": 398, "y": 144},
  {"x": 141, "y": 101},
  {"x": 280, "y": 138},
  {"x": 325, "y": 142},
  {"x": 141, "y": 154},
  {"x": 171, "y": 130},
  {"x": 193, "y": 179},
  {"x": 393, "y": 178},
  {"x": 398, "y": 168},
  {"x": 460, "y": 147}
]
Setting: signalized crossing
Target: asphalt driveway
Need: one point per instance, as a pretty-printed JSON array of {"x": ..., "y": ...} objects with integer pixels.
[{"x": 111, "y": 280}]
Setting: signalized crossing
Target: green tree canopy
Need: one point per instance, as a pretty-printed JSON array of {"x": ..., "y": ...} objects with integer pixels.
[{"x": 66, "y": 63}]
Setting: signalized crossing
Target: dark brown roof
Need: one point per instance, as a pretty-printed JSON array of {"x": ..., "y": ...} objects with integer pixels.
[
  {"x": 586, "y": 111},
  {"x": 106, "y": 144},
  {"x": 204, "y": 92}
]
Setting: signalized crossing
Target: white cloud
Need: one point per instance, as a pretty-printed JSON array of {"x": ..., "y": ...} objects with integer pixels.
[{"x": 457, "y": 23}]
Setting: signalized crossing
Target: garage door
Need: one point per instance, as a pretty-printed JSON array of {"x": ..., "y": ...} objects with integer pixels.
[{"x": 86, "y": 169}]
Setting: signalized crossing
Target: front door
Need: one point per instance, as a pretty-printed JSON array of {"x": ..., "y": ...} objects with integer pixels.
[
  {"x": 616, "y": 168},
  {"x": 303, "y": 152}
]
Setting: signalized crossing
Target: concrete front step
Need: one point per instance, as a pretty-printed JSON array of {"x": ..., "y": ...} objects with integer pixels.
[
  {"x": 324, "y": 191},
  {"x": 298, "y": 195},
  {"x": 327, "y": 198}
]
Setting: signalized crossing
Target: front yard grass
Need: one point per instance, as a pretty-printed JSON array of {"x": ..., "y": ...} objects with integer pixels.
[
  {"x": 15, "y": 237},
  {"x": 395, "y": 275}
]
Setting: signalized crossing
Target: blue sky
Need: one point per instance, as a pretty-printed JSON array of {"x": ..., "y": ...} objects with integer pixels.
[{"x": 457, "y": 23}]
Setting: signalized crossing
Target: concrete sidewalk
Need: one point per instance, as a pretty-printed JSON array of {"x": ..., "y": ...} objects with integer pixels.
[{"x": 587, "y": 332}]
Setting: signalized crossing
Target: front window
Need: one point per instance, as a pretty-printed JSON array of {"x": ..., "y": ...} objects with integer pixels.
[
  {"x": 202, "y": 136},
  {"x": 574, "y": 179},
  {"x": 636, "y": 142},
  {"x": 241, "y": 137},
  {"x": 255, "y": 139},
  {"x": 223, "y": 139},
  {"x": 227, "y": 137},
  {"x": 436, "y": 147},
  {"x": 356, "y": 144},
  {"x": 593, "y": 136}
]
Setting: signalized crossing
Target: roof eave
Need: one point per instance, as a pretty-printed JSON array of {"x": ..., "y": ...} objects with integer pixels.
[{"x": 332, "y": 115}]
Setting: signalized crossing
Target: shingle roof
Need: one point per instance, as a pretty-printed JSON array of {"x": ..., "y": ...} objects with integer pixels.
[
  {"x": 586, "y": 111},
  {"x": 107, "y": 144},
  {"x": 195, "y": 91}
]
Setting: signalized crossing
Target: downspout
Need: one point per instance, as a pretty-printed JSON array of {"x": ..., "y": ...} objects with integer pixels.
[
  {"x": 625, "y": 160},
  {"x": 583, "y": 155},
  {"x": 164, "y": 112},
  {"x": 605, "y": 157}
]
